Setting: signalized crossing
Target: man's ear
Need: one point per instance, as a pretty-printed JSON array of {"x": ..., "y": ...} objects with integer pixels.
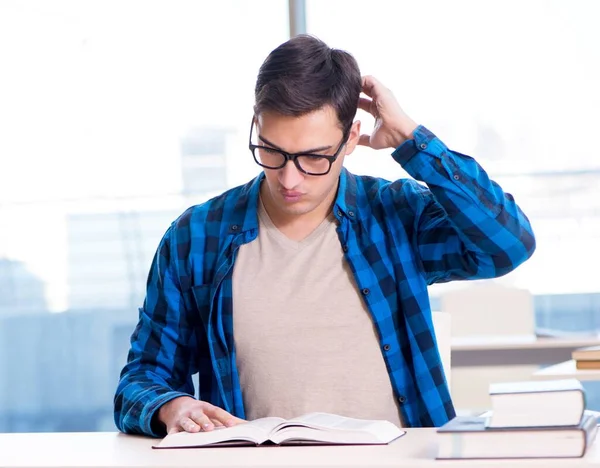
[{"x": 353, "y": 137}]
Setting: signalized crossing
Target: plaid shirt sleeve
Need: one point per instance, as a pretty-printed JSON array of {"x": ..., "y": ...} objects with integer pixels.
[
  {"x": 160, "y": 361},
  {"x": 468, "y": 227}
]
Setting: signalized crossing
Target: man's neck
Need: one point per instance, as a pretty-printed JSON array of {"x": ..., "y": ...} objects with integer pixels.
[{"x": 297, "y": 227}]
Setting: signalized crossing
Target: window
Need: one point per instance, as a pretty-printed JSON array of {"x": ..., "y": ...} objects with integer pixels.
[
  {"x": 115, "y": 117},
  {"x": 515, "y": 85}
]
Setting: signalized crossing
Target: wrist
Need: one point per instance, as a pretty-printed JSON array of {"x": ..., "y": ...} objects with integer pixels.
[
  {"x": 162, "y": 414},
  {"x": 404, "y": 130}
]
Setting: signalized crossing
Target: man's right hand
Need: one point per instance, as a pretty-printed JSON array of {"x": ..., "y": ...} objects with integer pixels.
[{"x": 191, "y": 415}]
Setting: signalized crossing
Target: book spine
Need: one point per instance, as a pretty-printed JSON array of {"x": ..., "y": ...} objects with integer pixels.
[{"x": 589, "y": 433}]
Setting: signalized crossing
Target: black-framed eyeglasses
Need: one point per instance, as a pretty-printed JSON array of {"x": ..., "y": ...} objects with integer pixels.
[{"x": 308, "y": 163}]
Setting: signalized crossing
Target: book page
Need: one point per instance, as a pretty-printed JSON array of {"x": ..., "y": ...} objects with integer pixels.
[
  {"x": 265, "y": 425},
  {"x": 334, "y": 429},
  {"x": 332, "y": 421},
  {"x": 383, "y": 430},
  {"x": 302, "y": 435}
]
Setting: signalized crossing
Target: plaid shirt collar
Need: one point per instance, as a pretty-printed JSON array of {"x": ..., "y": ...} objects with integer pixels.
[{"x": 245, "y": 215}]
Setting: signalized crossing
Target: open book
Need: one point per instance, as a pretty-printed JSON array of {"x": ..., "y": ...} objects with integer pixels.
[{"x": 313, "y": 428}]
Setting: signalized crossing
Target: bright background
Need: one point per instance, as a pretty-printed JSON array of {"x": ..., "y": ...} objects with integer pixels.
[{"x": 117, "y": 115}]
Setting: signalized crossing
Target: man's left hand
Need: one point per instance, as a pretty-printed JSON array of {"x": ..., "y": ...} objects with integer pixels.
[{"x": 392, "y": 125}]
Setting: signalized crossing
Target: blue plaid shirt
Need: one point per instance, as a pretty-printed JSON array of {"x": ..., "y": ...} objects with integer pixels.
[{"x": 398, "y": 238}]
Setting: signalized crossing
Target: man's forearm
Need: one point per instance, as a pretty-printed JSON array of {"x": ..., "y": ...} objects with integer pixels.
[{"x": 488, "y": 220}]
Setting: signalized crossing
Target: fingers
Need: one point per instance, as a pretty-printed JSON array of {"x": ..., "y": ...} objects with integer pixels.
[
  {"x": 202, "y": 416},
  {"x": 366, "y": 105},
  {"x": 201, "y": 420},
  {"x": 370, "y": 85},
  {"x": 364, "y": 140},
  {"x": 184, "y": 424},
  {"x": 219, "y": 414},
  {"x": 368, "y": 82},
  {"x": 196, "y": 422}
]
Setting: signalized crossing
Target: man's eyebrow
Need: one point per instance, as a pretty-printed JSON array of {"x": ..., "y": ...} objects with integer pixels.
[{"x": 314, "y": 150}]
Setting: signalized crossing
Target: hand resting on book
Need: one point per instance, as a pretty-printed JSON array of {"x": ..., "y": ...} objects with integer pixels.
[{"x": 186, "y": 414}]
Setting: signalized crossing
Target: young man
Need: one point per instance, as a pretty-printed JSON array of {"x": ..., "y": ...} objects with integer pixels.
[{"x": 306, "y": 289}]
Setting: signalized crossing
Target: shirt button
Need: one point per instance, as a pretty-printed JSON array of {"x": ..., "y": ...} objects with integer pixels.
[
  {"x": 339, "y": 213},
  {"x": 386, "y": 347},
  {"x": 351, "y": 214},
  {"x": 235, "y": 227},
  {"x": 366, "y": 291},
  {"x": 456, "y": 177},
  {"x": 423, "y": 146},
  {"x": 402, "y": 399},
  {"x": 345, "y": 248}
]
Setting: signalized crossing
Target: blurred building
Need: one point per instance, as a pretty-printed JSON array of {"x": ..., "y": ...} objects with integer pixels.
[
  {"x": 204, "y": 161},
  {"x": 60, "y": 371},
  {"x": 21, "y": 292},
  {"x": 109, "y": 256},
  {"x": 109, "y": 253}
]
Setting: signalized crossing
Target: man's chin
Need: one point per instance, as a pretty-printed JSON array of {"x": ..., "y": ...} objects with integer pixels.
[{"x": 296, "y": 208}]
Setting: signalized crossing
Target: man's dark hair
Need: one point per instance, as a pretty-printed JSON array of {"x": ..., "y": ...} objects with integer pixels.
[{"x": 304, "y": 74}]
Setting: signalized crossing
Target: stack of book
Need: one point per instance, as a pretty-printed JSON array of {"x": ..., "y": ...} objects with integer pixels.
[
  {"x": 544, "y": 419},
  {"x": 587, "y": 358}
]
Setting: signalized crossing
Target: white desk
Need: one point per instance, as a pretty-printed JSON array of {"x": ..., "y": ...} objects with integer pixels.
[
  {"x": 566, "y": 370},
  {"x": 416, "y": 449},
  {"x": 515, "y": 349}
]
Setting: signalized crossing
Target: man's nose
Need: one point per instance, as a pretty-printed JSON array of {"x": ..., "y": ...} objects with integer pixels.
[{"x": 290, "y": 176}]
